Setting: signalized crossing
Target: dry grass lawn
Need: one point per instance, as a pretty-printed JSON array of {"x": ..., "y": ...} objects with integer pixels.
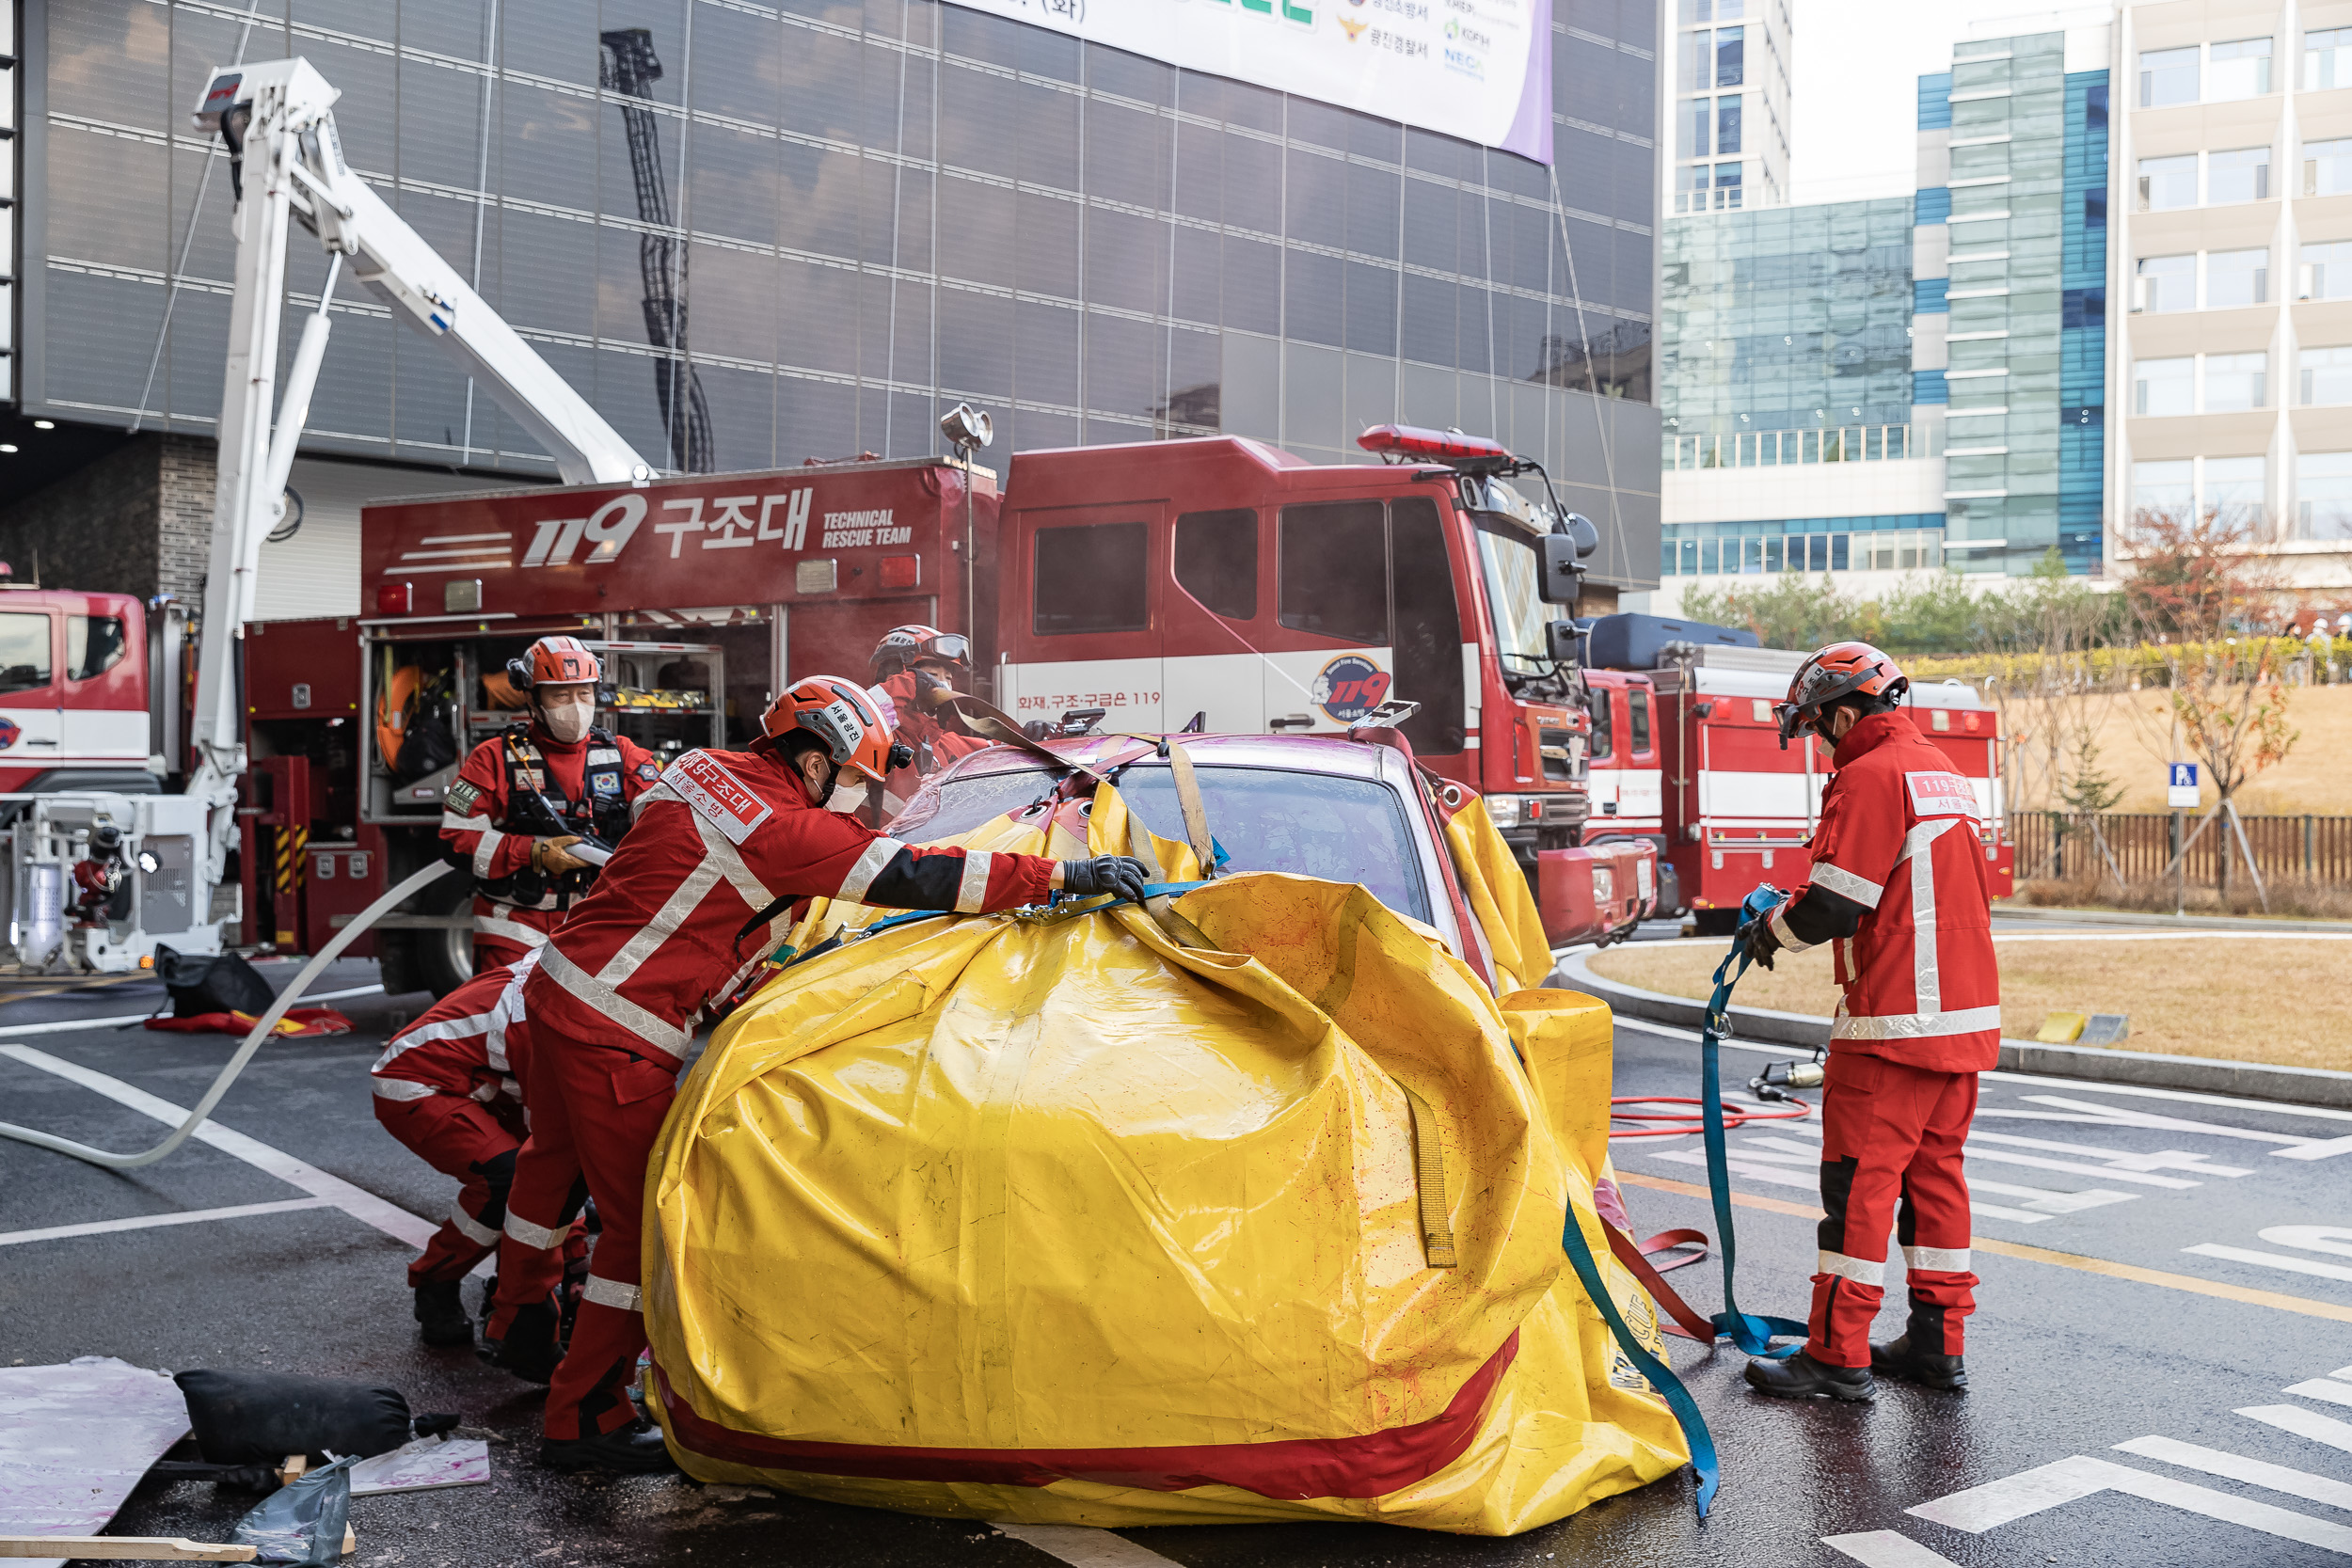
[
  {"x": 2249, "y": 1001},
  {"x": 2312, "y": 778}
]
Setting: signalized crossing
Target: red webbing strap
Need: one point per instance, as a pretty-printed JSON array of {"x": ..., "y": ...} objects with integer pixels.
[{"x": 1688, "y": 1323}]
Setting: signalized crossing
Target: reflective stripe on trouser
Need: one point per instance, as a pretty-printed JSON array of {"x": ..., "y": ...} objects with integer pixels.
[
  {"x": 502, "y": 933},
  {"x": 597, "y": 1108},
  {"x": 542, "y": 1231},
  {"x": 461, "y": 1137},
  {"x": 1891, "y": 1137}
]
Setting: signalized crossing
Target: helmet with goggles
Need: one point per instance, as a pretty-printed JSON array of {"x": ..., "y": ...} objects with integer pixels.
[{"x": 1839, "y": 671}]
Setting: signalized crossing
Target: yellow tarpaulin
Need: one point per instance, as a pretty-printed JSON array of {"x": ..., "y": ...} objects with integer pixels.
[{"x": 1064, "y": 1218}]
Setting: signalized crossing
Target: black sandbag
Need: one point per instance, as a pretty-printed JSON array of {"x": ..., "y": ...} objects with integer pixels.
[
  {"x": 302, "y": 1523},
  {"x": 209, "y": 983},
  {"x": 260, "y": 1418}
]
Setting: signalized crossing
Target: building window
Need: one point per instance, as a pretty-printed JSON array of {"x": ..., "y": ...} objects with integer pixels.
[
  {"x": 2234, "y": 492},
  {"x": 1695, "y": 137},
  {"x": 2235, "y": 383},
  {"x": 2327, "y": 271},
  {"x": 2235, "y": 278},
  {"x": 2327, "y": 59},
  {"x": 1691, "y": 188},
  {"x": 2327, "y": 168},
  {"x": 2242, "y": 174},
  {"x": 2323, "y": 494},
  {"x": 1728, "y": 125},
  {"x": 2168, "y": 283},
  {"x": 2167, "y": 77},
  {"x": 2163, "y": 386},
  {"x": 1731, "y": 56},
  {"x": 2239, "y": 70},
  {"x": 1727, "y": 185},
  {"x": 2326, "y": 375},
  {"x": 2168, "y": 183},
  {"x": 2164, "y": 490},
  {"x": 1697, "y": 73},
  {"x": 1712, "y": 11}
]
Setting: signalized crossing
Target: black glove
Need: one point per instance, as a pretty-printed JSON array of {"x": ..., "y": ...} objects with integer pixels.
[
  {"x": 1762, "y": 942},
  {"x": 930, "y": 691},
  {"x": 1121, "y": 875}
]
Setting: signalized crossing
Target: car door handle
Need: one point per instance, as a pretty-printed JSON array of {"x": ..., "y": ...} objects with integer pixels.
[{"x": 40, "y": 743}]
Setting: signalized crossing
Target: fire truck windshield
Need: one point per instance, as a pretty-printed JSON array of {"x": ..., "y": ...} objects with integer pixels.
[{"x": 1507, "y": 557}]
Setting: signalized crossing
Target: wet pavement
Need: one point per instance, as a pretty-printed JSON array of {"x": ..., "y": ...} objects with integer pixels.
[{"x": 2169, "y": 1272}]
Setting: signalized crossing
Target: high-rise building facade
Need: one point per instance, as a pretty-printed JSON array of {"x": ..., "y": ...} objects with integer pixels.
[
  {"x": 819, "y": 225},
  {"x": 2233, "y": 223},
  {"x": 1728, "y": 76}
]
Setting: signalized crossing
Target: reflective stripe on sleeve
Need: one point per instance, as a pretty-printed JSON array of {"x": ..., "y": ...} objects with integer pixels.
[
  {"x": 1915, "y": 1026},
  {"x": 613, "y": 1293},
  {"x": 587, "y": 989},
  {"x": 1860, "y": 1270},
  {"x": 451, "y": 822},
  {"x": 486, "y": 849},
  {"x": 1942, "y": 1260},
  {"x": 472, "y": 1229},
  {"x": 508, "y": 931},
  {"x": 536, "y": 1237},
  {"x": 972, "y": 896},
  {"x": 870, "y": 866},
  {"x": 1788, "y": 939},
  {"x": 1846, "y": 884},
  {"x": 401, "y": 1089}
]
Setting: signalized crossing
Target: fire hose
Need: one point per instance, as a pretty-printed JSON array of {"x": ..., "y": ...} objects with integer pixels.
[{"x": 261, "y": 1030}]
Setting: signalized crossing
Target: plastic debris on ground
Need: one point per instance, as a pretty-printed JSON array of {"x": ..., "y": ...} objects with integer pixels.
[
  {"x": 1238, "y": 1208},
  {"x": 298, "y": 1023},
  {"x": 75, "y": 1438},
  {"x": 423, "y": 1464},
  {"x": 301, "y": 1524}
]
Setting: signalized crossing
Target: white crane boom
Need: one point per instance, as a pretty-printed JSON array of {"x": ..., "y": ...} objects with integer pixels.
[{"x": 287, "y": 164}]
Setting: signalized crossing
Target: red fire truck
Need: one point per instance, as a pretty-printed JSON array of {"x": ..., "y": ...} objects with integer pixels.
[
  {"x": 1686, "y": 755},
  {"x": 73, "y": 686},
  {"x": 1155, "y": 582}
]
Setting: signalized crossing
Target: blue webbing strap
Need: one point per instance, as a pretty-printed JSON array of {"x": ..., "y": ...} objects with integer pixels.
[
  {"x": 1751, "y": 1333},
  {"x": 1662, "y": 1377},
  {"x": 1153, "y": 890}
]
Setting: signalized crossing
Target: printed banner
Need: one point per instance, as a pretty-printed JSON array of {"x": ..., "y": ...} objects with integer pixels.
[{"x": 1480, "y": 70}]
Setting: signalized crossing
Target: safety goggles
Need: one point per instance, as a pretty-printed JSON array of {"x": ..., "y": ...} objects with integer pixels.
[{"x": 953, "y": 646}]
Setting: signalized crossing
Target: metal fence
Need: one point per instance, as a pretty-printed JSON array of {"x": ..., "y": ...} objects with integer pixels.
[{"x": 2059, "y": 844}]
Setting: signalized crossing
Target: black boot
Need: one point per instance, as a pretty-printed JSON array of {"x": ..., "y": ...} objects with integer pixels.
[
  {"x": 1898, "y": 1360},
  {"x": 635, "y": 1449},
  {"x": 1801, "y": 1377},
  {"x": 528, "y": 1349},
  {"x": 441, "y": 1313}
]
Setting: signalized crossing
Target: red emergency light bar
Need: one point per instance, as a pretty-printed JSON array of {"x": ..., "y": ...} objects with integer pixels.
[{"x": 1442, "y": 446}]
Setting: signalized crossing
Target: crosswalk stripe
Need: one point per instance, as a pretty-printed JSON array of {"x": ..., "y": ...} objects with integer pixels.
[
  {"x": 1980, "y": 1508},
  {"x": 2303, "y": 1424},
  {"x": 2271, "y": 1260},
  {"x": 1084, "y": 1546},
  {"x": 1887, "y": 1548},
  {"x": 2256, "y": 1472},
  {"x": 2320, "y": 1388}
]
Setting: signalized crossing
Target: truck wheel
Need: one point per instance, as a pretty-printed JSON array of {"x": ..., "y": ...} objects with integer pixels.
[
  {"x": 1716, "y": 922},
  {"x": 444, "y": 958},
  {"x": 431, "y": 958}
]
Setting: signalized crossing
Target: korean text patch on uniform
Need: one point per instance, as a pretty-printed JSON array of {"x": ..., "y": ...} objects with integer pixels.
[
  {"x": 718, "y": 795},
  {"x": 1941, "y": 794}
]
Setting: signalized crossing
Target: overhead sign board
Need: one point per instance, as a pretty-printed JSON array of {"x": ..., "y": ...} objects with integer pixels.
[
  {"x": 2180, "y": 785},
  {"x": 1480, "y": 70}
]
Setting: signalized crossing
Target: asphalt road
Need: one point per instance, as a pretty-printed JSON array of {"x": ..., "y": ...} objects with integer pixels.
[{"x": 2105, "y": 1322}]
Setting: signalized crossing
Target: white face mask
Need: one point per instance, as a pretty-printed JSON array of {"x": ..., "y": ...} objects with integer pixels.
[
  {"x": 567, "y": 713},
  {"x": 849, "y": 793}
]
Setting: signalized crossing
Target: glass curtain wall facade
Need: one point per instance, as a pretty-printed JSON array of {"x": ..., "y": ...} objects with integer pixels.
[
  {"x": 2019, "y": 222},
  {"x": 810, "y": 227}
]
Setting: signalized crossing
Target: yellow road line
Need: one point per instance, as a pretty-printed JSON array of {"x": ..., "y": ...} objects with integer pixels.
[{"x": 2273, "y": 1299}]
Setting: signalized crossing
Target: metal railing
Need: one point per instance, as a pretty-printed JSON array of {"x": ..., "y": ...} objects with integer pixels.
[
  {"x": 2061, "y": 844},
  {"x": 1773, "y": 448}
]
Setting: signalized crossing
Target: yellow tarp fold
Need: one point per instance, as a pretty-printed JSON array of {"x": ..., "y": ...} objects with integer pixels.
[{"x": 1053, "y": 1218}]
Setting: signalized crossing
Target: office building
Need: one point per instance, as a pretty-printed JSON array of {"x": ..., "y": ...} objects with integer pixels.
[
  {"x": 851, "y": 217},
  {"x": 1727, "y": 78}
]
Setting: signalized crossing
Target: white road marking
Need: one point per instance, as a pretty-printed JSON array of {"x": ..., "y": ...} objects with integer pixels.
[
  {"x": 70, "y": 1027},
  {"x": 2271, "y": 1260},
  {"x": 2320, "y": 1388},
  {"x": 2036, "y": 1162},
  {"x": 148, "y": 1221},
  {"x": 1783, "y": 1176},
  {"x": 2319, "y": 1149},
  {"x": 361, "y": 1204},
  {"x": 1981, "y": 1508},
  {"x": 1082, "y": 1546},
  {"x": 2303, "y": 1424},
  {"x": 2049, "y": 1202},
  {"x": 2255, "y": 1472},
  {"x": 1886, "y": 1549},
  {"x": 2115, "y": 1115},
  {"x": 2121, "y": 1159}
]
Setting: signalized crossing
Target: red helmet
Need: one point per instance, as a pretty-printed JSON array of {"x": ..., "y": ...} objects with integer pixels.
[
  {"x": 858, "y": 726},
  {"x": 903, "y": 646},
  {"x": 1840, "y": 669},
  {"x": 554, "y": 661}
]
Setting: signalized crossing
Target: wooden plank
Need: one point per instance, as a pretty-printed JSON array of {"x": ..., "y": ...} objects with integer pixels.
[{"x": 148, "y": 1548}]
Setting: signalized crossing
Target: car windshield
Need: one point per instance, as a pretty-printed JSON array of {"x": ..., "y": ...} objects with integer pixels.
[
  {"x": 1267, "y": 818},
  {"x": 1507, "y": 557}
]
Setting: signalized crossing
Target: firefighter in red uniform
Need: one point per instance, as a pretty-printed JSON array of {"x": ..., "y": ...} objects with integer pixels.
[
  {"x": 919, "y": 668},
  {"x": 449, "y": 1087},
  {"x": 1898, "y": 883},
  {"x": 726, "y": 852},
  {"x": 525, "y": 875}
]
